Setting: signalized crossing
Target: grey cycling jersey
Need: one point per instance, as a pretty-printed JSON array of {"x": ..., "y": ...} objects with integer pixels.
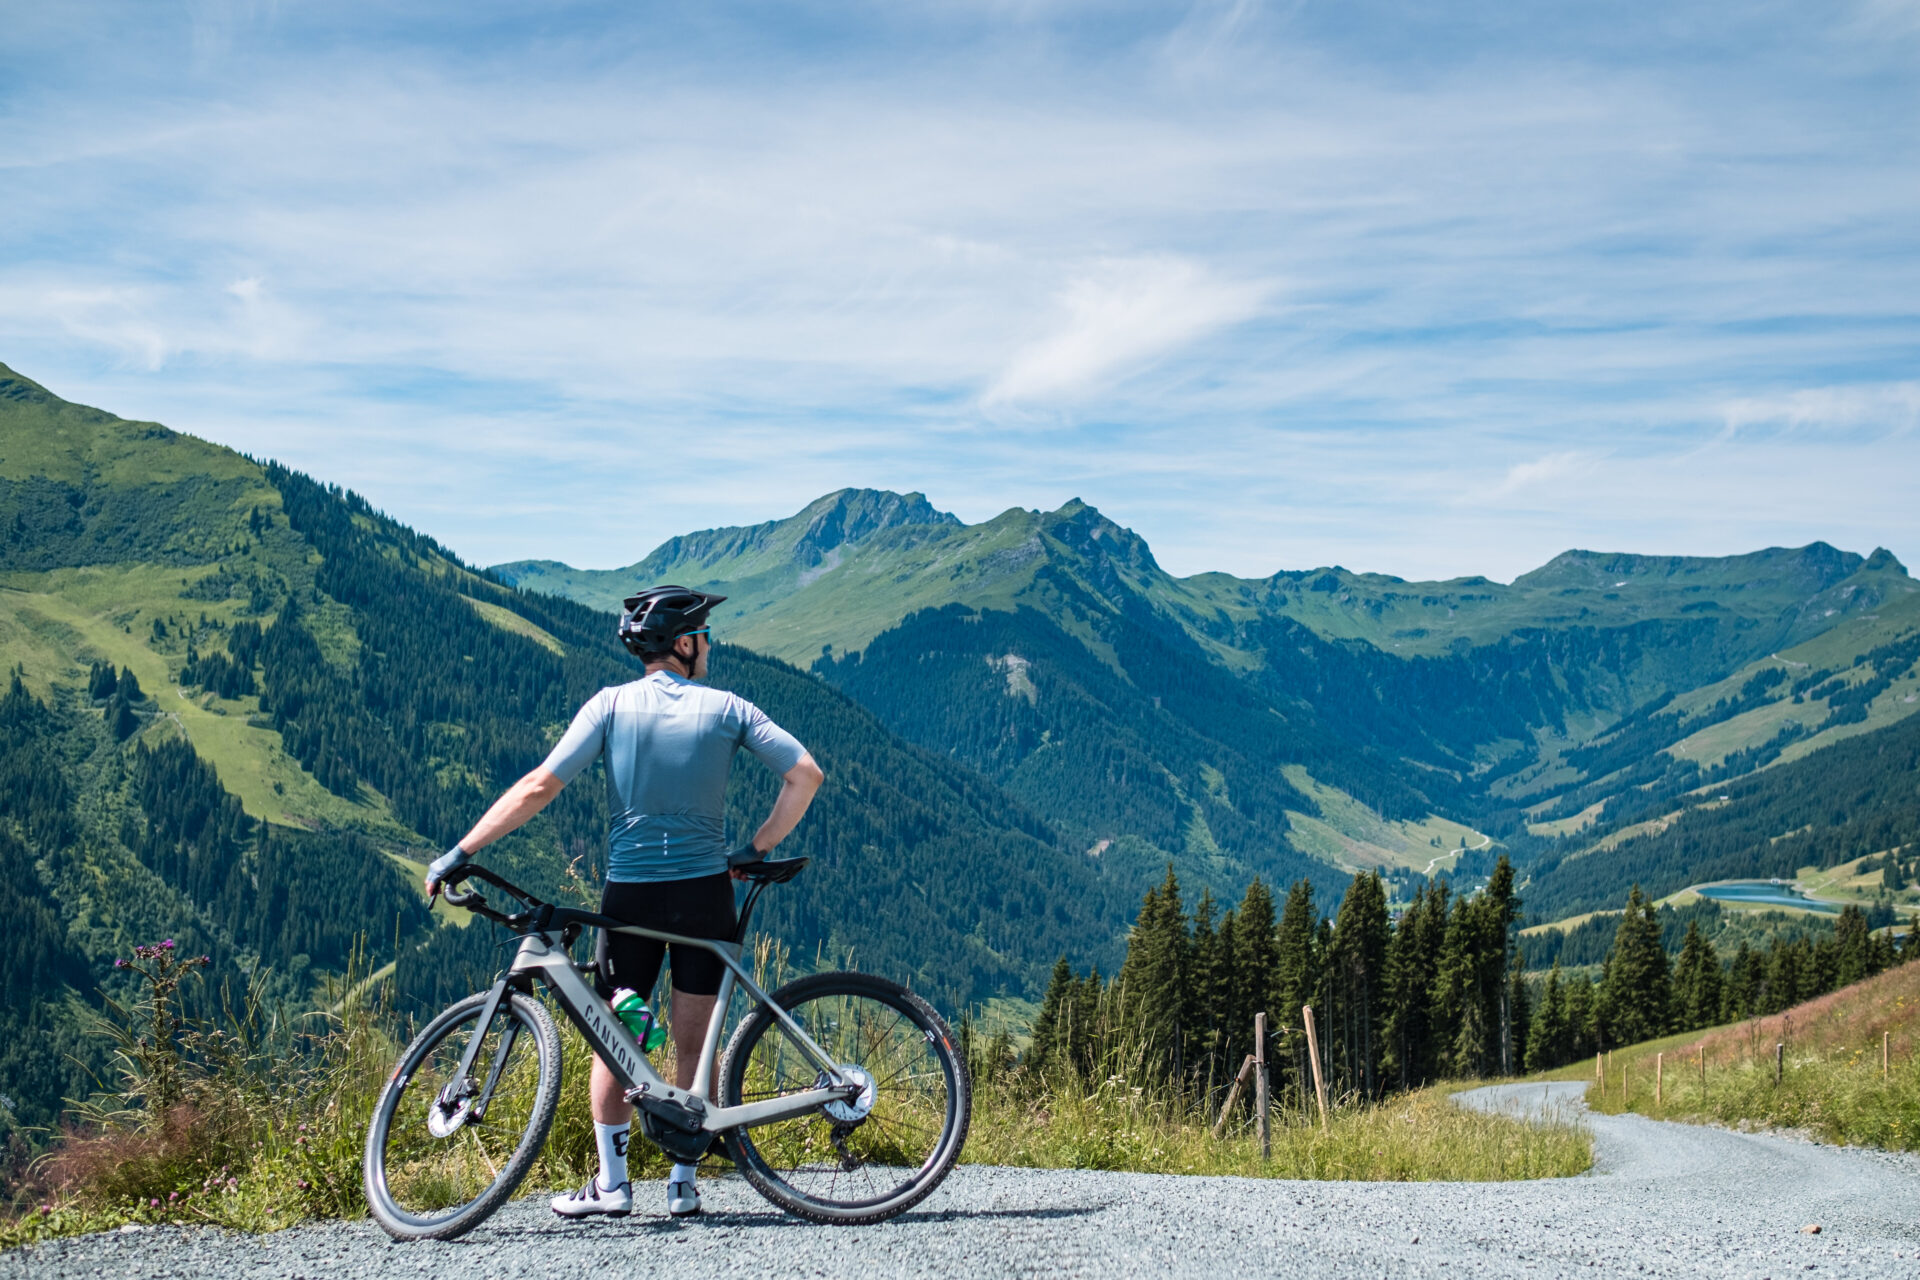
[{"x": 669, "y": 744}]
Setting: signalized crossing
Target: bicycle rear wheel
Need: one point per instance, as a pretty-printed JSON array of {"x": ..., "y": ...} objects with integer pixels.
[
  {"x": 436, "y": 1167},
  {"x": 864, "y": 1160}
]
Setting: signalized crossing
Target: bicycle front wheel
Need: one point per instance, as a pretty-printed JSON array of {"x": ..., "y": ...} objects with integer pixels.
[
  {"x": 866, "y": 1159},
  {"x": 437, "y": 1165}
]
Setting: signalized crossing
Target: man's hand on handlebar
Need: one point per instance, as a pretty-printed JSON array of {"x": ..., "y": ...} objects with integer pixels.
[{"x": 443, "y": 866}]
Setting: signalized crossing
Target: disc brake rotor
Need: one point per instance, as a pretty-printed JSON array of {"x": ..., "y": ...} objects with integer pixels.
[
  {"x": 444, "y": 1122},
  {"x": 852, "y": 1111}
]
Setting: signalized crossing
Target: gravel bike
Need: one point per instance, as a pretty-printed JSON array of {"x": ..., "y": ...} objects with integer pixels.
[{"x": 842, "y": 1097}]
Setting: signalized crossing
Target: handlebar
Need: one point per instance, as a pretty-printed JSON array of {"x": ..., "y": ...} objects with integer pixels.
[{"x": 541, "y": 915}]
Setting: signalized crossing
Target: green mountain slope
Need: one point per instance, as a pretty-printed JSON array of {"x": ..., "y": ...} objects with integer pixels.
[
  {"x": 1045, "y": 648},
  {"x": 858, "y": 561},
  {"x": 246, "y": 706},
  {"x": 1858, "y": 798}
]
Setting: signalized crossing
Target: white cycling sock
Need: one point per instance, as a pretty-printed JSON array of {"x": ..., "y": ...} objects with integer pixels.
[
  {"x": 683, "y": 1173},
  {"x": 612, "y": 1141}
]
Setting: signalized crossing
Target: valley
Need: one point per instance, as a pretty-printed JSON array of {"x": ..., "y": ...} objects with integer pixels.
[{"x": 1025, "y": 722}]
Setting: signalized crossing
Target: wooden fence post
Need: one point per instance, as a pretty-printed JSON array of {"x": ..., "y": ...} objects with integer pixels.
[
  {"x": 1260, "y": 1085},
  {"x": 1659, "y": 1077},
  {"x": 1313, "y": 1055},
  {"x": 1233, "y": 1095},
  {"x": 1600, "y": 1071},
  {"x": 1779, "y": 1061}
]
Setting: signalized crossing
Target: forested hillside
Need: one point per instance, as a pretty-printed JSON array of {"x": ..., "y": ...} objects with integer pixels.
[
  {"x": 1857, "y": 798},
  {"x": 1557, "y": 714},
  {"x": 245, "y": 725}
]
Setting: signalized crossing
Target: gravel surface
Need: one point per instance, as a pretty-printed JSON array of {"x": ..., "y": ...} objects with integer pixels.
[{"x": 1664, "y": 1199}]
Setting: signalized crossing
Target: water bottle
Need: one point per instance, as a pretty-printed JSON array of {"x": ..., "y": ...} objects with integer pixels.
[{"x": 639, "y": 1019}]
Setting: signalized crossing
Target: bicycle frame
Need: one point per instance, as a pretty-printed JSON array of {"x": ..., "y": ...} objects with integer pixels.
[{"x": 544, "y": 956}]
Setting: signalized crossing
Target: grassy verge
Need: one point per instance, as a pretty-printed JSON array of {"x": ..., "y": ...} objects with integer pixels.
[
  {"x": 1416, "y": 1137},
  {"x": 257, "y": 1124},
  {"x": 1826, "y": 1078}
]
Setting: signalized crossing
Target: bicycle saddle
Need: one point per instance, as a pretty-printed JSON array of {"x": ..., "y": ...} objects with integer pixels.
[{"x": 772, "y": 871}]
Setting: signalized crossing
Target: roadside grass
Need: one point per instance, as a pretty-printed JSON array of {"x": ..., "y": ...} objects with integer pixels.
[
  {"x": 1830, "y": 1081},
  {"x": 1416, "y": 1137},
  {"x": 257, "y": 1124}
]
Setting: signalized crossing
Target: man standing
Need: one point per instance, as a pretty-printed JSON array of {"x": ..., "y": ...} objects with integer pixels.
[{"x": 669, "y": 745}]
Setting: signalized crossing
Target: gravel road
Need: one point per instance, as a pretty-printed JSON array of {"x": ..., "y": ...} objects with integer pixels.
[{"x": 1664, "y": 1199}]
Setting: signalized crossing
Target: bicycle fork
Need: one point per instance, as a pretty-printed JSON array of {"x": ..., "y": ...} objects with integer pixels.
[{"x": 458, "y": 1102}]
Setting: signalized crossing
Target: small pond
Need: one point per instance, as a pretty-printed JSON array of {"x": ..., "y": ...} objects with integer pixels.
[{"x": 1764, "y": 893}]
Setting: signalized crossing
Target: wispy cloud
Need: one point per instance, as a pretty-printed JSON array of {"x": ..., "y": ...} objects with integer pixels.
[
  {"x": 1875, "y": 410},
  {"x": 1119, "y": 316},
  {"x": 1522, "y": 477}
]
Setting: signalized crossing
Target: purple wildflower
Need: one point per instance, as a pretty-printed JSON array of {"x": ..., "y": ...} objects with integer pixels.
[
  {"x": 118, "y": 963},
  {"x": 167, "y": 945}
]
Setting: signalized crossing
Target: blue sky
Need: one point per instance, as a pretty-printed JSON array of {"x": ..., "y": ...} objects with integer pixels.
[{"x": 1423, "y": 288}]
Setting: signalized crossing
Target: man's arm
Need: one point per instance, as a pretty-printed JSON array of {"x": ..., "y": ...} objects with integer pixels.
[
  {"x": 518, "y": 804},
  {"x": 797, "y": 786}
]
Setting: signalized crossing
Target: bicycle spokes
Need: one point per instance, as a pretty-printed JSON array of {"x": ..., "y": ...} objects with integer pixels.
[
  {"x": 449, "y": 1139},
  {"x": 864, "y": 1148}
]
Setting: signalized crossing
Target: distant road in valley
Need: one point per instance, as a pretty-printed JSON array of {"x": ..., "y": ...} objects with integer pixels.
[
  {"x": 1664, "y": 1200},
  {"x": 1484, "y": 842}
]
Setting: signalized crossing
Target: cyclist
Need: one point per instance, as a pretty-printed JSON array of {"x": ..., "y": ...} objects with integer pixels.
[{"x": 669, "y": 745}]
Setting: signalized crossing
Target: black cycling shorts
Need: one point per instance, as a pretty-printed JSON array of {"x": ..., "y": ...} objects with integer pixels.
[{"x": 698, "y": 908}]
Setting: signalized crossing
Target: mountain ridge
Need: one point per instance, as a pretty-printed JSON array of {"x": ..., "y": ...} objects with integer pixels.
[
  {"x": 1394, "y": 614},
  {"x": 1556, "y": 711}
]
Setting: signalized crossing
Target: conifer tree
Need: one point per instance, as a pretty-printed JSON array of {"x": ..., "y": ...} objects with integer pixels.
[
  {"x": 1256, "y": 959},
  {"x": 1154, "y": 980},
  {"x": 1296, "y": 970},
  {"x": 1225, "y": 979},
  {"x": 1207, "y": 994},
  {"x": 1412, "y": 957},
  {"x": 1636, "y": 995},
  {"x": 1583, "y": 1019},
  {"x": 1548, "y": 1042},
  {"x": 1357, "y": 967},
  {"x": 1853, "y": 946},
  {"x": 1745, "y": 977},
  {"x": 100, "y": 681},
  {"x": 1458, "y": 1012},
  {"x": 1696, "y": 982},
  {"x": 1042, "y": 1051},
  {"x": 1519, "y": 1016},
  {"x": 1081, "y": 1016}
]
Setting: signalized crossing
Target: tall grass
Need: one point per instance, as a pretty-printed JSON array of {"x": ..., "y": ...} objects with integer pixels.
[
  {"x": 1830, "y": 1081},
  {"x": 256, "y": 1121},
  {"x": 1416, "y": 1137}
]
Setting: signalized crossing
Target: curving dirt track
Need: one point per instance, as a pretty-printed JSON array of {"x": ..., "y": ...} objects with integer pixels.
[{"x": 1664, "y": 1199}]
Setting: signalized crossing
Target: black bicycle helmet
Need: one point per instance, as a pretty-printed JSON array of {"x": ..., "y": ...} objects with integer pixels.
[{"x": 658, "y": 616}]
